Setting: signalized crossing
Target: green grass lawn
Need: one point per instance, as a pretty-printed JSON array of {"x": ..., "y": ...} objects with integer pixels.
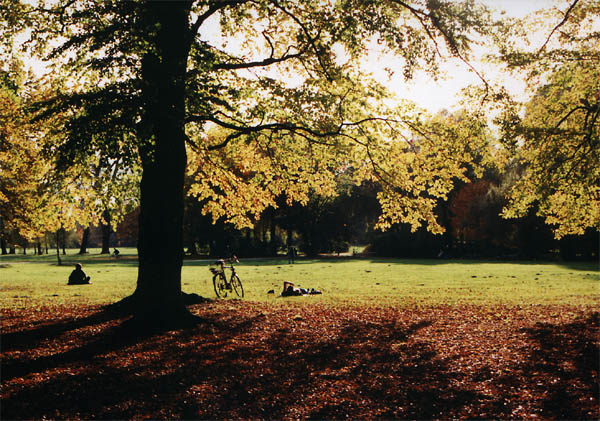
[{"x": 37, "y": 280}]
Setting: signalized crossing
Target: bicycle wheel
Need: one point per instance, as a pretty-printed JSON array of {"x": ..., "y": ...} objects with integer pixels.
[
  {"x": 220, "y": 285},
  {"x": 237, "y": 285}
]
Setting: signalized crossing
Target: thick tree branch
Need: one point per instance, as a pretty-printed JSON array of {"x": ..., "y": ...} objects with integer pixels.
[
  {"x": 214, "y": 7},
  {"x": 242, "y": 130}
]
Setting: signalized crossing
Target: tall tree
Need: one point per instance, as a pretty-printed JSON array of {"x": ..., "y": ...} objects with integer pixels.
[
  {"x": 560, "y": 151},
  {"x": 33, "y": 199},
  {"x": 282, "y": 81},
  {"x": 554, "y": 133}
]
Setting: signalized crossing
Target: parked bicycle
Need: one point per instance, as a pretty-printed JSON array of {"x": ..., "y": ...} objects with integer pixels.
[{"x": 222, "y": 285}]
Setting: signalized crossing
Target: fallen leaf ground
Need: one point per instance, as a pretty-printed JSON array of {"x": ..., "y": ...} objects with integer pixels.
[{"x": 250, "y": 360}]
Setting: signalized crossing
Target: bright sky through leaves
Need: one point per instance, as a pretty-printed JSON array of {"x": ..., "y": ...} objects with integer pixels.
[
  {"x": 433, "y": 95},
  {"x": 445, "y": 92}
]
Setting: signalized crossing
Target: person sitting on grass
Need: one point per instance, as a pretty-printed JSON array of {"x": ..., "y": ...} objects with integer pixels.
[{"x": 78, "y": 276}]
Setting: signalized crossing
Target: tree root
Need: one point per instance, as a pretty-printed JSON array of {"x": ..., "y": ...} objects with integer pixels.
[{"x": 151, "y": 320}]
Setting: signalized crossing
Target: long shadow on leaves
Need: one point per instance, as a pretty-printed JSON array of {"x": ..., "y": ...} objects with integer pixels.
[
  {"x": 106, "y": 340},
  {"x": 557, "y": 378},
  {"x": 564, "y": 367},
  {"x": 103, "y": 340},
  {"x": 217, "y": 371},
  {"x": 78, "y": 383},
  {"x": 24, "y": 339},
  {"x": 252, "y": 366}
]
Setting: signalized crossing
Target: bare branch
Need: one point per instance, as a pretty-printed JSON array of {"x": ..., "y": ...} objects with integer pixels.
[
  {"x": 311, "y": 39},
  {"x": 565, "y": 117},
  {"x": 561, "y": 23},
  {"x": 264, "y": 34},
  {"x": 420, "y": 15},
  {"x": 265, "y": 62}
]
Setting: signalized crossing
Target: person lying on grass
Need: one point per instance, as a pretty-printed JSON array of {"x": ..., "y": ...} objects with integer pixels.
[
  {"x": 289, "y": 290},
  {"x": 78, "y": 276}
]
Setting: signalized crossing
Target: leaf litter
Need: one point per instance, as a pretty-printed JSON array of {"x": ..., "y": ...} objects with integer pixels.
[{"x": 254, "y": 360}]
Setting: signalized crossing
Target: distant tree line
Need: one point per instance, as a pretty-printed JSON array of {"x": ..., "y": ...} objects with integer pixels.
[{"x": 471, "y": 217}]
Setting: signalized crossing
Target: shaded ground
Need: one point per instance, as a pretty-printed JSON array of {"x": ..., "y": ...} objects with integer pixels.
[{"x": 256, "y": 361}]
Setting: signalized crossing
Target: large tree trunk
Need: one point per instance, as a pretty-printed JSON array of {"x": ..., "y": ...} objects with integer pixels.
[
  {"x": 85, "y": 238},
  {"x": 158, "y": 296}
]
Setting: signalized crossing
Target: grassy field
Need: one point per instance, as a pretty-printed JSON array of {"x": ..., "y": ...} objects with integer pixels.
[
  {"x": 387, "y": 339},
  {"x": 38, "y": 279}
]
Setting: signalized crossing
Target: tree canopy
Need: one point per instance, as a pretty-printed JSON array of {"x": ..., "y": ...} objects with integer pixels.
[
  {"x": 554, "y": 133},
  {"x": 268, "y": 99}
]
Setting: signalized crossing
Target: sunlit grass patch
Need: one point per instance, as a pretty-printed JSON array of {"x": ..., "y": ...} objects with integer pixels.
[
  {"x": 38, "y": 280},
  {"x": 427, "y": 281}
]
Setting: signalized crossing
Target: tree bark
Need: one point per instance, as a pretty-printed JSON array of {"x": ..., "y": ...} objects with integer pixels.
[
  {"x": 158, "y": 295},
  {"x": 106, "y": 231},
  {"x": 85, "y": 238},
  {"x": 63, "y": 240},
  {"x": 3, "y": 244},
  {"x": 58, "y": 249}
]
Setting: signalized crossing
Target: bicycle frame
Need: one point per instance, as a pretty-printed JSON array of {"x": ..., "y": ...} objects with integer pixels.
[{"x": 220, "y": 282}]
